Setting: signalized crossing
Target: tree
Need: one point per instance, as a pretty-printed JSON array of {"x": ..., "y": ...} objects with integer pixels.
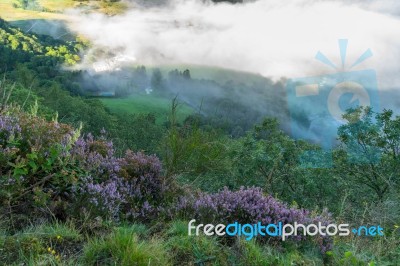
[
  {"x": 186, "y": 74},
  {"x": 371, "y": 142},
  {"x": 269, "y": 154},
  {"x": 157, "y": 82}
]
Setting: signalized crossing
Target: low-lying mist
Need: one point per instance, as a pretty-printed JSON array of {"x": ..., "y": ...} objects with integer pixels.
[{"x": 267, "y": 37}]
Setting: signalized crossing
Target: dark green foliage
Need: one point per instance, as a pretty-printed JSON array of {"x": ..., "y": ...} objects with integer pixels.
[
  {"x": 38, "y": 68},
  {"x": 138, "y": 132},
  {"x": 372, "y": 149},
  {"x": 190, "y": 150},
  {"x": 25, "y": 46},
  {"x": 34, "y": 173}
]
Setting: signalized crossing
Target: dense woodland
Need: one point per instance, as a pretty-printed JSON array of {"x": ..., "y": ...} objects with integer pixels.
[{"x": 82, "y": 185}]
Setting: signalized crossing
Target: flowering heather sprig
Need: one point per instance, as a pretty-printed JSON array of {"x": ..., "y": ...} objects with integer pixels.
[
  {"x": 244, "y": 205},
  {"x": 9, "y": 128},
  {"x": 96, "y": 157},
  {"x": 9, "y": 124},
  {"x": 105, "y": 197},
  {"x": 103, "y": 191},
  {"x": 247, "y": 205},
  {"x": 143, "y": 172},
  {"x": 40, "y": 135},
  {"x": 131, "y": 186}
]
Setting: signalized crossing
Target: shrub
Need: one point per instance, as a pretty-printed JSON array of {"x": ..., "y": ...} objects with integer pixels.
[
  {"x": 146, "y": 187},
  {"x": 35, "y": 174},
  {"x": 128, "y": 187},
  {"x": 247, "y": 205}
]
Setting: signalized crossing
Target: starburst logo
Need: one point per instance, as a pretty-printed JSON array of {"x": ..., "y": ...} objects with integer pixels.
[
  {"x": 317, "y": 104},
  {"x": 343, "y": 52},
  {"x": 359, "y": 96}
]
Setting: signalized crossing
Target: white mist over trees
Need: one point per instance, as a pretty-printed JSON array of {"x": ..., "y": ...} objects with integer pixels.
[{"x": 265, "y": 37}]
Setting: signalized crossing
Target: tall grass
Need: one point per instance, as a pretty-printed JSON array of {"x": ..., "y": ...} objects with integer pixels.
[{"x": 123, "y": 247}]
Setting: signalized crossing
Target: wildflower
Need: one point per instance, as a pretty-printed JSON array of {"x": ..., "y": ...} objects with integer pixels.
[
  {"x": 49, "y": 249},
  {"x": 53, "y": 252},
  {"x": 250, "y": 205},
  {"x": 59, "y": 237}
]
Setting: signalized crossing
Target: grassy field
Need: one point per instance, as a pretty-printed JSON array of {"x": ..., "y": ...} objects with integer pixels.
[
  {"x": 58, "y": 5},
  {"x": 142, "y": 104},
  {"x": 54, "y": 9},
  {"x": 10, "y": 13}
]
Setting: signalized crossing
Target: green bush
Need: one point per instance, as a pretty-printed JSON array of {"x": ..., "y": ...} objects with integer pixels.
[{"x": 35, "y": 176}]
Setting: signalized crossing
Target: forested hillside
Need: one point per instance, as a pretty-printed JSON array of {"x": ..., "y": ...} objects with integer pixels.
[{"x": 32, "y": 67}]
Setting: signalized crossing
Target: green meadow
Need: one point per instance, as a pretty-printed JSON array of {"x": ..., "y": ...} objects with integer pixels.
[{"x": 145, "y": 104}]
